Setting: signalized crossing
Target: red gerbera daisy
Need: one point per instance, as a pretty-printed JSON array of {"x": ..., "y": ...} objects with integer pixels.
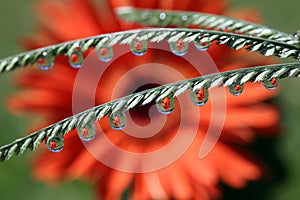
[{"x": 50, "y": 95}]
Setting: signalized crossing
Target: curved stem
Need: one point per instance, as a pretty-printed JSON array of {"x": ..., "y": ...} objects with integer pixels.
[
  {"x": 164, "y": 18},
  {"x": 224, "y": 79},
  {"x": 235, "y": 41}
]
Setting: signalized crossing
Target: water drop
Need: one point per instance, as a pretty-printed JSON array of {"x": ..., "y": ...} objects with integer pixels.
[
  {"x": 184, "y": 18},
  {"x": 271, "y": 84},
  {"x": 236, "y": 89},
  {"x": 45, "y": 61},
  {"x": 76, "y": 58},
  {"x": 202, "y": 44},
  {"x": 162, "y": 16},
  {"x": 199, "y": 97},
  {"x": 145, "y": 15},
  {"x": 55, "y": 143},
  {"x": 105, "y": 54},
  {"x": 87, "y": 132},
  {"x": 117, "y": 120},
  {"x": 138, "y": 48},
  {"x": 297, "y": 34},
  {"x": 179, "y": 47},
  {"x": 166, "y": 105}
]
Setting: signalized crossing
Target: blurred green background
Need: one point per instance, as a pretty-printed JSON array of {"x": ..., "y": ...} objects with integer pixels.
[{"x": 17, "y": 19}]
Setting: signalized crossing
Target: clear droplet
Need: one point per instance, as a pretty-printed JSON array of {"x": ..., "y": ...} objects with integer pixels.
[
  {"x": 45, "y": 61},
  {"x": 199, "y": 97},
  {"x": 76, "y": 58},
  {"x": 271, "y": 84},
  {"x": 162, "y": 16},
  {"x": 297, "y": 34},
  {"x": 202, "y": 44},
  {"x": 87, "y": 132},
  {"x": 55, "y": 143},
  {"x": 117, "y": 120},
  {"x": 184, "y": 18},
  {"x": 166, "y": 105},
  {"x": 138, "y": 48},
  {"x": 236, "y": 89},
  {"x": 105, "y": 54},
  {"x": 179, "y": 47}
]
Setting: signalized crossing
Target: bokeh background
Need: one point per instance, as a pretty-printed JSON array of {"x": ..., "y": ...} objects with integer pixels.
[{"x": 283, "y": 182}]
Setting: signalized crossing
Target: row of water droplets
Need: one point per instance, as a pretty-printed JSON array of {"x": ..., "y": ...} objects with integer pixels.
[
  {"x": 166, "y": 105},
  {"x": 75, "y": 57},
  {"x": 139, "y": 47},
  {"x": 86, "y": 130},
  {"x": 105, "y": 52},
  {"x": 117, "y": 120}
]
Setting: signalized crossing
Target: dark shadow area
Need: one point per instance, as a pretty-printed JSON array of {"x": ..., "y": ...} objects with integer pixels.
[{"x": 276, "y": 172}]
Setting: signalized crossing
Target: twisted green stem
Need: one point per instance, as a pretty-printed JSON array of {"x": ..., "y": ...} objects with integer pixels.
[
  {"x": 203, "y": 20},
  {"x": 224, "y": 79},
  {"x": 234, "y": 33},
  {"x": 264, "y": 46}
]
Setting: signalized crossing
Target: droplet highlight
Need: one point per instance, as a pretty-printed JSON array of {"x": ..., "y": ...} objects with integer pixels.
[
  {"x": 87, "y": 132},
  {"x": 179, "y": 47},
  {"x": 297, "y": 34},
  {"x": 162, "y": 16},
  {"x": 117, "y": 120},
  {"x": 45, "y": 61},
  {"x": 76, "y": 58},
  {"x": 199, "y": 97},
  {"x": 236, "y": 89},
  {"x": 55, "y": 143},
  {"x": 138, "y": 47},
  {"x": 271, "y": 84},
  {"x": 166, "y": 105},
  {"x": 105, "y": 54}
]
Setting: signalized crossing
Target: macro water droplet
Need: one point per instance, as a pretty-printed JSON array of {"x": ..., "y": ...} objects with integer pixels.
[
  {"x": 166, "y": 105},
  {"x": 105, "y": 54},
  {"x": 55, "y": 143},
  {"x": 117, "y": 120},
  {"x": 270, "y": 84},
  {"x": 184, "y": 18},
  {"x": 297, "y": 34},
  {"x": 199, "y": 97},
  {"x": 87, "y": 132},
  {"x": 76, "y": 58},
  {"x": 138, "y": 47},
  {"x": 202, "y": 44},
  {"x": 45, "y": 61},
  {"x": 179, "y": 47},
  {"x": 162, "y": 16},
  {"x": 236, "y": 89}
]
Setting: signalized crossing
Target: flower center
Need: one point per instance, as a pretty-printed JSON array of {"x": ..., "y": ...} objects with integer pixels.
[
  {"x": 84, "y": 132},
  {"x": 104, "y": 52},
  {"x": 116, "y": 121},
  {"x": 180, "y": 44},
  {"x": 237, "y": 87},
  {"x": 140, "y": 114},
  {"x": 273, "y": 81},
  {"x": 74, "y": 58},
  {"x": 166, "y": 103},
  {"x": 53, "y": 145},
  {"x": 200, "y": 94},
  {"x": 138, "y": 45},
  {"x": 41, "y": 61}
]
